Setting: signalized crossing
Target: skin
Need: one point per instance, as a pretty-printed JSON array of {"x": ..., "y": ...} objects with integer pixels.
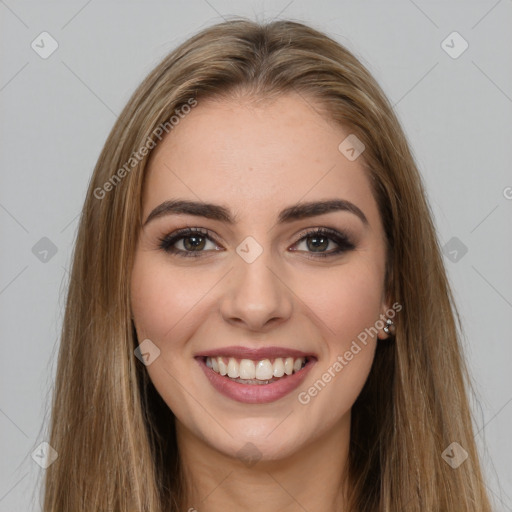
[{"x": 257, "y": 158}]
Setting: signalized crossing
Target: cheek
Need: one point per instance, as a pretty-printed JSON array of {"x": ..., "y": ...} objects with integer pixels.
[
  {"x": 161, "y": 300},
  {"x": 348, "y": 303},
  {"x": 346, "y": 300},
  {"x": 163, "y": 306}
]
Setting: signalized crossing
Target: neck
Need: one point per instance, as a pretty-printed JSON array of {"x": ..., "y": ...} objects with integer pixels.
[{"x": 312, "y": 479}]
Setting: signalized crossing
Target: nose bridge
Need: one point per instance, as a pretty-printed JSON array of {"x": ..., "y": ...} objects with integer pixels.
[{"x": 255, "y": 294}]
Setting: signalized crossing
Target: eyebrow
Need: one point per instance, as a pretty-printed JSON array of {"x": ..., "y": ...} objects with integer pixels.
[{"x": 220, "y": 213}]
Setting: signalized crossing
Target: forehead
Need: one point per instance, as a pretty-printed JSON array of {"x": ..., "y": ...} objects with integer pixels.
[{"x": 256, "y": 157}]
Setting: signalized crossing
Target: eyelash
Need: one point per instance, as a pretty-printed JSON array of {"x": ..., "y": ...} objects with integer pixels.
[{"x": 341, "y": 239}]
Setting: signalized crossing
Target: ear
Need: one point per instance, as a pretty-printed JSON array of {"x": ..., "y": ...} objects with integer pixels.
[
  {"x": 381, "y": 322},
  {"x": 387, "y": 314}
]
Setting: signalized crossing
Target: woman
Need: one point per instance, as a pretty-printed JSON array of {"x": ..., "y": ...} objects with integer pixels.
[{"x": 258, "y": 314}]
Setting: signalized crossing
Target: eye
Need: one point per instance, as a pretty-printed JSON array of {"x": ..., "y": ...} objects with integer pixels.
[
  {"x": 192, "y": 240},
  {"x": 318, "y": 239}
]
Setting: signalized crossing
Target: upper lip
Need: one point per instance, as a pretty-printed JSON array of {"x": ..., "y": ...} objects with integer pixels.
[{"x": 256, "y": 354}]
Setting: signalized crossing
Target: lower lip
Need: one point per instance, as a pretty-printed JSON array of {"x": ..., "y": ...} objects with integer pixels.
[{"x": 255, "y": 393}]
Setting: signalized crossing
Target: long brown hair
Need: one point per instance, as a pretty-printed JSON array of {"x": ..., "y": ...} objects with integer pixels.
[{"x": 112, "y": 431}]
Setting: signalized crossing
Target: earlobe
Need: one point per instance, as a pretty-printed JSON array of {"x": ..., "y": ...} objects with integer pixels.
[
  {"x": 388, "y": 329},
  {"x": 388, "y": 326}
]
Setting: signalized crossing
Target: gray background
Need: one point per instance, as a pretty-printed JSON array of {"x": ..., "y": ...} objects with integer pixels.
[{"x": 57, "y": 112}]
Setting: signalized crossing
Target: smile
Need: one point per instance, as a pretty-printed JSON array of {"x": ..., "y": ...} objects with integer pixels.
[
  {"x": 255, "y": 376},
  {"x": 248, "y": 371}
]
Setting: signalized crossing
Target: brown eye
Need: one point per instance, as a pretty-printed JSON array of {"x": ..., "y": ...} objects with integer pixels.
[
  {"x": 193, "y": 241},
  {"x": 319, "y": 239}
]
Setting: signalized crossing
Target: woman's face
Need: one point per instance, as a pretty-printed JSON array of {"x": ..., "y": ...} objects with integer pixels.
[{"x": 254, "y": 294}]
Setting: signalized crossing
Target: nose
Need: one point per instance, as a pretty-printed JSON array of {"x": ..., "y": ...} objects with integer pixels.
[{"x": 256, "y": 295}]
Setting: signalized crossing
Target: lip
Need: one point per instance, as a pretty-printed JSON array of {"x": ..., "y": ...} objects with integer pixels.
[
  {"x": 256, "y": 354},
  {"x": 255, "y": 393}
]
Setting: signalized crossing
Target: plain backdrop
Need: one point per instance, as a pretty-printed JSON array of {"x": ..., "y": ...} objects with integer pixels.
[{"x": 56, "y": 113}]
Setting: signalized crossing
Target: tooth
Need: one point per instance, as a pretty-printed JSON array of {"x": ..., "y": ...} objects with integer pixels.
[
  {"x": 297, "y": 365},
  {"x": 288, "y": 366},
  {"x": 278, "y": 367},
  {"x": 233, "y": 371},
  {"x": 223, "y": 369},
  {"x": 247, "y": 369},
  {"x": 264, "y": 370}
]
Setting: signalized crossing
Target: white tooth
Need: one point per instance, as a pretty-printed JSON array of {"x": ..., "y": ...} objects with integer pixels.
[
  {"x": 247, "y": 369},
  {"x": 288, "y": 366},
  {"x": 215, "y": 365},
  {"x": 223, "y": 369},
  {"x": 209, "y": 362},
  {"x": 233, "y": 371},
  {"x": 264, "y": 370},
  {"x": 278, "y": 367},
  {"x": 297, "y": 365}
]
